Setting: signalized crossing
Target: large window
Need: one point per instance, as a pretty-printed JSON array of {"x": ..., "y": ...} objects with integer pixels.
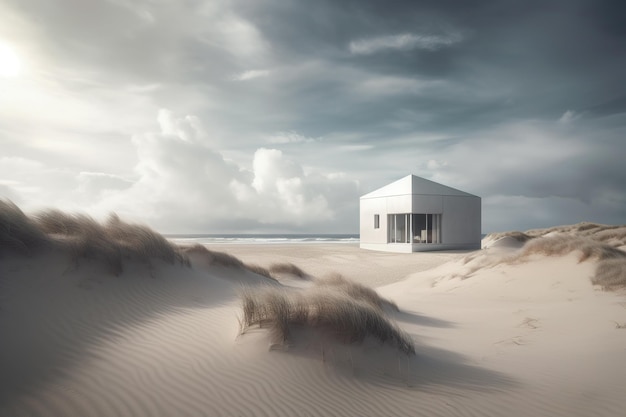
[
  {"x": 426, "y": 228},
  {"x": 398, "y": 228},
  {"x": 414, "y": 228}
]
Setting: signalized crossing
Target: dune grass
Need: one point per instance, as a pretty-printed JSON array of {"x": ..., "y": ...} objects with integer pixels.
[
  {"x": 259, "y": 270},
  {"x": 610, "y": 274},
  {"x": 288, "y": 268},
  {"x": 226, "y": 260},
  {"x": 335, "y": 314},
  {"x": 83, "y": 237},
  {"x": 614, "y": 235},
  {"x": 214, "y": 257},
  {"x": 590, "y": 242},
  {"x": 561, "y": 244},
  {"x": 140, "y": 242},
  {"x": 111, "y": 242},
  {"x": 519, "y": 236},
  {"x": 355, "y": 290},
  {"x": 17, "y": 231},
  {"x": 610, "y": 271}
]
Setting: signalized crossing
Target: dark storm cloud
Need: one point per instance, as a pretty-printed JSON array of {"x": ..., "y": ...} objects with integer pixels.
[
  {"x": 508, "y": 60},
  {"x": 514, "y": 59},
  {"x": 607, "y": 108}
]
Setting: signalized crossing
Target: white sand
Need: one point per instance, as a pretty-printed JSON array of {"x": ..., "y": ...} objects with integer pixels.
[{"x": 527, "y": 339}]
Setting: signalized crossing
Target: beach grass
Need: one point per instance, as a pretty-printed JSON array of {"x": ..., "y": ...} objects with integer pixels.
[{"x": 342, "y": 315}]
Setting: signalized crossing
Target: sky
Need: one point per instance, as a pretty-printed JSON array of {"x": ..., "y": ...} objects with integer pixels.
[{"x": 274, "y": 116}]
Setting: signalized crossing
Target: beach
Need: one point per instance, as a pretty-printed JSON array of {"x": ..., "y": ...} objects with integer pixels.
[{"x": 505, "y": 330}]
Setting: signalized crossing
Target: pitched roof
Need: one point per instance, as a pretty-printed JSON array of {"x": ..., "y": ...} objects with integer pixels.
[{"x": 412, "y": 184}]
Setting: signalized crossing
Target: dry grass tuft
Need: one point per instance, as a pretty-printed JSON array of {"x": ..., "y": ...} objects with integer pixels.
[
  {"x": 614, "y": 235},
  {"x": 111, "y": 242},
  {"x": 17, "y": 231},
  {"x": 288, "y": 268},
  {"x": 610, "y": 234},
  {"x": 611, "y": 262},
  {"x": 589, "y": 240},
  {"x": 611, "y": 274},
  {"x": 355, "y": 290},
  {"x": 563, "y": 244},
  {"x": 519, "y": 236},
  {"x": 335, "y": 314},
  {"x": 84, "y": 237},
  {"x": 141, "y": 242},
  {"x": 214, "y": 257},
  {"x": 225, "y": 260},
  {"x": 585, "y": 226},
  {"x": 259, "y": 270}
]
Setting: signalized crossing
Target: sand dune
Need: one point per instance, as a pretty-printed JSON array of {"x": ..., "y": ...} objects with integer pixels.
[{"x": 516, "y": 329}]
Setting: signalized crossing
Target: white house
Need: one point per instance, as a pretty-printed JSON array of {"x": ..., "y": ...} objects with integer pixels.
[{"x": 414, "y": 214}]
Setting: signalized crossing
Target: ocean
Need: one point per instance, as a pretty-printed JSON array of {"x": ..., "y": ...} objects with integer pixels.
[{"x": 262, "y": 238}]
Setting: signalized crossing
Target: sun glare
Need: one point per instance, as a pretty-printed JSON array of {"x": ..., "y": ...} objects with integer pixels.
[{"x": 9, "y": 62}]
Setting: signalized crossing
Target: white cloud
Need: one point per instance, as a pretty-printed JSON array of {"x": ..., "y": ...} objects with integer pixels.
[
  {"x": 94, "y": 184},
  {"x": 270, "y": 167},
  {"x": 179, "y": 184},
  {"x": 33, "y": 183},
  {"x": 403, "y": 42},
  {"x": 289, "y": 137},
  {"x": 568, "y": 117},
  {"x": 16, "y": 164},
  {"x": 184, "y": 186},
  {"x": 187, "y": 128},
  {"x": 240, "y": 36},
  {"x": 251, "y": 74},
  {"x": 355, "y": 148},
  {"x": 434, "y": 165}
]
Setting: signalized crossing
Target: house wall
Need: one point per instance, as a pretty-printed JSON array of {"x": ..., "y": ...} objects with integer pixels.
[
  {"x": 398, "y": 203},
  {"x": 370, "y": 207},
  {"x": 381, "y": 206},
  {"x": 427, "y": 204},
  {"x": 461, "y": 220}
]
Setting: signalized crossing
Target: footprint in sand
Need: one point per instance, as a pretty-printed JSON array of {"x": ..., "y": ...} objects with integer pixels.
[
  {"x": 516, "y": 340},
  {"x": 530, "y": 323}
]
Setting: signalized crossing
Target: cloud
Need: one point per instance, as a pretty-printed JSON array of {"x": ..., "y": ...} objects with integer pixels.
[
  {"x": 391, "y": 85},
  {"x": 532, "y": 159},
  {"x": 434, "y": 165},
  {"x": 251, "y": 75},
  {"x": 270, "y": 167},
  {"x": 186, "y": 128},
  {"x": 183, "y": 185},
  {"x": 373, "y": 89},
  {"x": 535, "y": 212},
  {"x": 568, "y": 117},
  {"x": 533, "y": 173},
  {"x": 7, "y": 192},
  {"x": 23, "y": 177},
  {"x": 355, "y": 148},
  {"x": 403, "y": 42},
  {"x": 92, "y": 185},
  {"x": 289, "y": 137}
]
